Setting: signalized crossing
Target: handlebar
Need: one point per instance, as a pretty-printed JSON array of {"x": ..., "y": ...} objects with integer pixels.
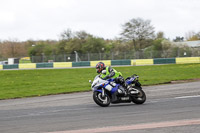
[{"x": 134, "y": 75}]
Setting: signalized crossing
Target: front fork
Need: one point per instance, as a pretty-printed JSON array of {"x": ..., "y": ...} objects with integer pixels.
[{"x": 103, "y": 92}]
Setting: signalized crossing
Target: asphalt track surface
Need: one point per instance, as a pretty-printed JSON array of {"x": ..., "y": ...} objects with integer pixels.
[{"x": 169, "y": 108}]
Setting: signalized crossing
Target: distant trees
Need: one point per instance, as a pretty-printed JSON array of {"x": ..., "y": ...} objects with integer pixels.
[
  {"x": 40, "y": 48},
  {"x": 192, "y": 36},
  {"x": 137, "y": 38},
  {"x": 69, "y": 42},
  {"x": 138, "y": 31},
  {"x": 12, "y": 48},
  {"x": 80, "y": 41},
  {"x": 178, "y": 39},
  {"x": 160, "y": 35},
  {"x": 162, "y": 48}
]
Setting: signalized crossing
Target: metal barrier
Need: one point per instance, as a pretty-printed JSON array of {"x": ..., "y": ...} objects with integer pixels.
[{"x": 112, "y": 56}]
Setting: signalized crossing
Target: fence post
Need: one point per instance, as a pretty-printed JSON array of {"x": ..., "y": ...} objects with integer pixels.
[
  {"x": 125, "y": 55},
  {"x": 178, "y": 52},
  {"x": 54, "y": 58},
  {"x": 136, "y": 53},
  {"x": 64, "y": 57},
  {"x": 42, "y": 57},
  {"x": 100, "y": 55},
  {"x": 32, "y": 60},
  {"x": 76, "y": 54},
  {"x": 88, "y": 56},
  {"x": 112, "y": 56}
]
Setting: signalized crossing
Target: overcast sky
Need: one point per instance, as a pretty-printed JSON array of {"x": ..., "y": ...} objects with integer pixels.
[{"x": 46, "y": 19}]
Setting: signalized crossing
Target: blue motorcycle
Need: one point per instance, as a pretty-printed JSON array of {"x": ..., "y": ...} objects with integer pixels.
[{"x": 108, "y": 91}]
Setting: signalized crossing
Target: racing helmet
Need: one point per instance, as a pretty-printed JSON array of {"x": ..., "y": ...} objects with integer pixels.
[{"x": 100, "y": 66}]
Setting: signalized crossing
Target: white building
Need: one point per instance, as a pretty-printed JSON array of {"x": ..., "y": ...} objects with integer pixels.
[{"x": 192, "y": 44}]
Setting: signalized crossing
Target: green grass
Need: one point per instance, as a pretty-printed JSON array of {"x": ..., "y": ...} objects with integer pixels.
[{"x": 27, "y": 83}]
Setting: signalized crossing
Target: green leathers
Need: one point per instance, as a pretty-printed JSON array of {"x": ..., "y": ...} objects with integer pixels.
[{"x": 110, "y": 73}]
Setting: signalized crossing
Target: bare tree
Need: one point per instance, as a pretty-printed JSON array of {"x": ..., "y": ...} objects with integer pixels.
[
  {"x": 192, "y": 36},
  {"x": 13, "y": 48},
  {"x": 137, "y": 30},
  {"x": 67, "y": 34}
]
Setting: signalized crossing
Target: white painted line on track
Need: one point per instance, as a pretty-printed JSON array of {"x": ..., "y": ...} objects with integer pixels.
[
  {"x": 78, "y": 109},
  {"x": 184, "y": 97},
  {"x": 169, "y": 99}
]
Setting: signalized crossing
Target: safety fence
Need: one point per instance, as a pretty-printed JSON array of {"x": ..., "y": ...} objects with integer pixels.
[
  {"x": 135, "y": 62},
  {"x": 116, "y": 55}
]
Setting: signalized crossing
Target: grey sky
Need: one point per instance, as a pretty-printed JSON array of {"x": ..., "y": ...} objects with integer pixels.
[{"x": 46, "y": 19}]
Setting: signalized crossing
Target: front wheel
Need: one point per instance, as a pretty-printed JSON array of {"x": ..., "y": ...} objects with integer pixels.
[
  {"x": 101, "y": 101},
  {"x": 140, "y": 97}
]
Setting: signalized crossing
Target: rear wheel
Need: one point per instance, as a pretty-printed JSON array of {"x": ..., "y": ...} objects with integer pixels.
[
  {"x": 100, "y": 100},
  {"x": 140, "y": 97}
]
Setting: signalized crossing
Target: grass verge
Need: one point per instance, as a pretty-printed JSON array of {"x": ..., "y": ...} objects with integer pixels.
[{"x": 39, "y": 82}]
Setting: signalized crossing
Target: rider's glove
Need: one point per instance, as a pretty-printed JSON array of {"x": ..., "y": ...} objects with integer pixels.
[{"x": 107, "y": 77}]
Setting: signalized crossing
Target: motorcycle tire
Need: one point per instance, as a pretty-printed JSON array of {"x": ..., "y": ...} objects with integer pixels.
[
  {"x": 139, "y": 98},
  {"x": 101, "y": 101}
]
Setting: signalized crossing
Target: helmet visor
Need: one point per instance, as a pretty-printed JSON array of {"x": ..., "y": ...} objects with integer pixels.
[{"x": 98, "y": 70}]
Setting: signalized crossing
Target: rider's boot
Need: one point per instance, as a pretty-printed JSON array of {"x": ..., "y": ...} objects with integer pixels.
[
  {"x": 122, "y": 91},
  {"x": 125, "y": 86}
]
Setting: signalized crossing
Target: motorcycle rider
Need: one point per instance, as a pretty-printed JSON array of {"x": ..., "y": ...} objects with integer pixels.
[{"x": 107, "y": 72}]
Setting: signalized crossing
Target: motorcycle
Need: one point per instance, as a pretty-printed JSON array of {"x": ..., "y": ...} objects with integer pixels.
[{"x": 133, "y": 91}]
